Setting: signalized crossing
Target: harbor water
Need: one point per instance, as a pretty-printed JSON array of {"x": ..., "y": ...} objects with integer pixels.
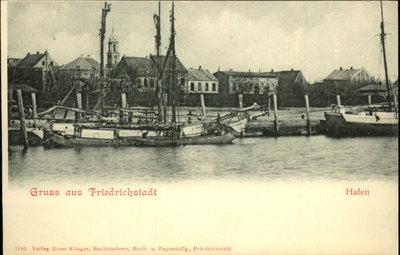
[{"x": 247, "y": 160}]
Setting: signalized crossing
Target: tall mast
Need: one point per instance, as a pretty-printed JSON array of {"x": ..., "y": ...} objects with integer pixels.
[
  {"x": 106, "y": 9},
  {"x": 173, "y": 65},
  {"x": 383, "y": 35},
  {"x": 157, "y": 21}
]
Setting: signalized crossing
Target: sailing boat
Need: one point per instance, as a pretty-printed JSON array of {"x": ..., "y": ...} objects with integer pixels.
[
  {"x": 373, "y": 120},
  {"x": 157, "y": 134}
]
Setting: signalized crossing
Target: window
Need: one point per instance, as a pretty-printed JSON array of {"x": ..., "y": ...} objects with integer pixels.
[
  {"x": 51, "y": 63},
  {"x": 256, "y": 89},
  {"x": 207, "y": 88},
  {"x": 145, "y": 83},
  {"x": 43, "y": 63},
  {"x": 199, "y": 88},
  {"x": 182, "y": 82},
  {"x": 234, "y": 87},
  {"x": 192, "y": 86},
  {"x": 214, "y": 87}
]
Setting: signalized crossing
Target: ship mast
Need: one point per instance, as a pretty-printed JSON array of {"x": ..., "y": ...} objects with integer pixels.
[
  {"x": 106, "y": 9},
  {"x": 383, "y": 35},
  {"x": 158, "y": 73},
  {"x": 173, "y": 66}
]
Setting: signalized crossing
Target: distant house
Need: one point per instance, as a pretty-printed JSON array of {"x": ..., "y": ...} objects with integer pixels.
[
  {"x": 36, "y": 70},
  {"x": 141, "y": 71},
  {"x": 234, "y": 82},
  {"x": 81, "y": 68},
  {"x": 349, "y": 76},
  {"x": 292, "y": 85},
  {"x": 13, "y": 62},
  {"x": 379, "y": 90},
  {"x": 11, "y": 68},
  {"x": 201, "y": 81}
]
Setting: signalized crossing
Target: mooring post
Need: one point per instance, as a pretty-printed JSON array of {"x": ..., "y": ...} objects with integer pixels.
[
  {"x": 275, "y": 99},
  {"x": 87, "y": 99},
  {"x": 10, "y": 95},
  {"x": 79, "y": 103},
  {"x": 369, "y": 99},
  {"x": 203, "y": 106},
  {"x": 308, "y": 115},
  {"x": 240, "y": 101},
  {"x": 338, "y": 100},
  {"x": 34, "y": 106},
  {"x": 123, "y": 100},
  {"x": 79, "y": 100},
  {"x": 269, "y": 105},
  {"x": 22, "y": 119},
  {"x": 396, "y": 109}
]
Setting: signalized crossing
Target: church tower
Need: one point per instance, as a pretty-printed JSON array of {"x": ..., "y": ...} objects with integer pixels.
[{"x": 112, "y": 54}]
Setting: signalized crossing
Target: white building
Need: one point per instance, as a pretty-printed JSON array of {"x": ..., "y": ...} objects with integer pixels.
[{"x": 201, "y": 81}]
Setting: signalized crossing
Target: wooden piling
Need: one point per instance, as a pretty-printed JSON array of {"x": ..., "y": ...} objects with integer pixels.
[
  {"x": 269, "y": 105},
  {"x": 10, "y": 96},
  {"x": 87, "y": 100},
  {"x": 369, "y": 99},
  {"x": 275, "y": 101},
  {"x": 308, "y": 115},
  {"x": 22, "y": 119},
  {"x": 34, "y": 106},
  {"x": 396, "y": 106},
  {"x": 79, "y": 103},
  {"x": 123, "y": 100},
  {"x": 203, "y": 106},
  {"x": 79, "y": 100},
  {"x": 240, "y": 101},
  {"x": 338, "y": 100}
]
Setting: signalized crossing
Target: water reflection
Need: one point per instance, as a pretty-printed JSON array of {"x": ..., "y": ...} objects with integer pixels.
[{"x": 264, "y": 159}]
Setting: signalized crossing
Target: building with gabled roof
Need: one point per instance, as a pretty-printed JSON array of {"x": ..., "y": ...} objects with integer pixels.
[
  {"x": 350, "y": 75},
  {"x": 141, "y": 71},
  {"x": 201, "y": 81},
  {"x": 81, "y": 68},
  {"x": 232, "y": 82},
  {"x": 36, "y": 70}
]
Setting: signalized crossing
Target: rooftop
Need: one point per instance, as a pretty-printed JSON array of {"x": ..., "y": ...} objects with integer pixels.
[
  {"x": 342, "y": 74},
  {"x": 31, "y": 59},
  {"x": 200, "y": 75},
  {"x": 82, "y": 63}
]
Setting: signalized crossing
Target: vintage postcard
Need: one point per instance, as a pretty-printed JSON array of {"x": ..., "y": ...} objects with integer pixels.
[{"x": 199, "y": 127}]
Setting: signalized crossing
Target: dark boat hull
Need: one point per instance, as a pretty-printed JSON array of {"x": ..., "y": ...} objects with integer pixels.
[
  {"x": 64, "y": 141},
  {"x": 15, "y": 138}
]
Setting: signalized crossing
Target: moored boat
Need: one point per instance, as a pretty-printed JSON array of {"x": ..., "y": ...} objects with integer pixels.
[
  {"x": 380, "y": 120},
  {"x": 367, "y": 122}
]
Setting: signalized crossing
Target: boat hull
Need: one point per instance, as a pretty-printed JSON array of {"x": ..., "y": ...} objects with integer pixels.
[
  {"x": 65, "y": 141},
  {"x": 341, "y": 125}
]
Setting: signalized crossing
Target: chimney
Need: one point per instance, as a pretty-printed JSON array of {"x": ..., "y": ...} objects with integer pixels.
[
  {"x": 199, "y": 67},
  {"x": 249, "y": 70},
  {"x": 230, "y": 70},
  {"x": 272, "y": 70},
  {"x": 218, "y": 68},
  {"x": 341, "y": 68},
  {"x": 259, "y": 70},
  {"x": 351, "y": 68},
  {"x": 28, "y": 54},
  {"x": 37, "y": 52},
  {"x": 291, "y": 69}
]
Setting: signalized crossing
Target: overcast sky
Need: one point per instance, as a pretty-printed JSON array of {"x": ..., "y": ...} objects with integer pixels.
[{"x": 315, "y": 37}]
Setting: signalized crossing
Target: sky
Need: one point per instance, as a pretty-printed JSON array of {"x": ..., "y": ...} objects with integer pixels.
[{"x": 314, "y": 37}]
